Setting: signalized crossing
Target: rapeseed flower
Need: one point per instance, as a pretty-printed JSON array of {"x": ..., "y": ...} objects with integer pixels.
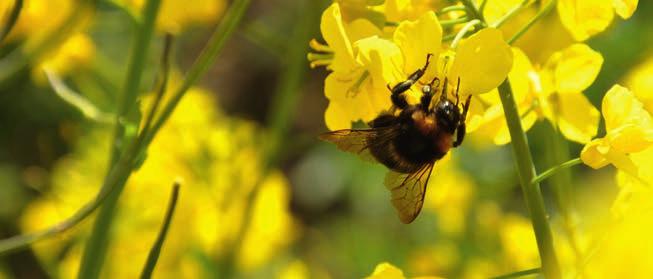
[
  {"x": 586, "y": 18},
  {"x": 218, "y": 159},
  {"x": 364, "y": 61},
  {"x": 640, "y": 82},
  {"x": 388, "y": 271},
  {"x": 177, "y": 15},
  {"x": 553, "y": 92},
  {"x": 629, "y": 129}
]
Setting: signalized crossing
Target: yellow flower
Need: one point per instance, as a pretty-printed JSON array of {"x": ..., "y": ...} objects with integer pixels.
[
  {"x": 553, "y": 93},
  {"x": 629, "y": 129},
  {"x": 37, "y": 17},
  {"x": 388, "y": 271},
  {"x": 176, "y": 15},
  {"x": 357, "y": 88},
  {"x": 640, "y": 82},
  {"x": 75, "y": 53},
  {"x": 586, "y": 18},
  {"x": 218, "y": 159}
]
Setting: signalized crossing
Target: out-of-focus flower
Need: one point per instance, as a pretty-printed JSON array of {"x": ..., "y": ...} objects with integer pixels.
[
  {"x": 640, "y": 81},
  {"x": 37, "y": 17},
  {"x": 518, "y": 242},
  {"x": 554, "y": 93},
  {"x": 176, "y": 15},
  {"x": 389, "y": 271},
  {"x": 629, "y": 129},
  {"x": 622, "y": 248},
  {"x": 76, "y": 52},
  {"x": 586, "y": 18},
  {"x": 219, "y": 161}
]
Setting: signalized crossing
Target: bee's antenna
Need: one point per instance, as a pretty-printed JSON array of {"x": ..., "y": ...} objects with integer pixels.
[
  {"x": 457, "y": 91},
  {"x": 443, "y": 96}
]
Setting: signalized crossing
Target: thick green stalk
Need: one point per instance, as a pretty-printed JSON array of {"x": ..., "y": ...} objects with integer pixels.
[
  {"x": 96, "y": 248},
  {"x": 531, "y": 191}
]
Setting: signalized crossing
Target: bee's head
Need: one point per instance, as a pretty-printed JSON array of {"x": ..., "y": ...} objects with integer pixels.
[{"x": 447, "y": 114}]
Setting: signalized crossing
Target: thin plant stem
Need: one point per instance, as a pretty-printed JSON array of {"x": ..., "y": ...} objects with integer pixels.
[
  {"x": 96, "y": 247},
  {"x": 451, "y": 22},
  {"x": 463, "y": 32},
  {"x": 532, "y": 192},
  {"x": 279, "y": 119},
  {"x": 554, "y": 170},
  {"x": 473, "y": 11},
  {"x": 117, "y": 175},
  {"x": 155, "y": 251},
  {"x": 519, "y": 273},
  {"x": 510, "y": 14},
  {"x": 451, "y": 9},
  {"x": 11, "y": 19},
  {"x": 544, "y": 11},
  {"x": 206, "y": 58}
]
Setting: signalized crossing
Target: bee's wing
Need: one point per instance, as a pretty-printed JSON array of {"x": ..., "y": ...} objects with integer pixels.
[
  {"x": 360, "y": 141},
  {"x": 408, "y": 191}
]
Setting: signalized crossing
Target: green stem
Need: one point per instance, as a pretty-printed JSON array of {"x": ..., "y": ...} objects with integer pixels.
[
  {"x": 206, "y": 58},
  {"x": 555, "y": 169},
  {"x": 519, "y": 273},
  {"x": 118, "y": 175},
  {"x": 463, "y": 31},
  {"x": 11, "y": 20},
  {"x": 451, "y": 22},
  {"x": 153, "y": 256},
  {"x": 473, "y": 11},
  {"x": 451, "y": 9},
  {"x": 96, "y": 248},
  {"x": 280, "y": 118},
  {"x": 510, "y": 14},
  {"x": 544, "y": 11},
  {"x": 531, "y": 191}
]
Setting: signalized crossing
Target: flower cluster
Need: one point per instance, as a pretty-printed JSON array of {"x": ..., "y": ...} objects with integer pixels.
[
  {"x": 364, "y": 58},
  {"x": 218, "y": 161}
]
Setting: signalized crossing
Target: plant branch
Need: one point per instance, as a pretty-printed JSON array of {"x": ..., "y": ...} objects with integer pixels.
[
  {"x": 554, "y": 170},
  {"x": 153, "y": 256},
  {"x": 11, "y": 19},
  {"x": 531, "y": 191},
  {"x": 544, "y": 11},
  {"x": 519, "y": 273}
]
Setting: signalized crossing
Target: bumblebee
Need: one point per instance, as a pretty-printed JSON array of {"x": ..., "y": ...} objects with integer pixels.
[{"x": 409, "y": 139}]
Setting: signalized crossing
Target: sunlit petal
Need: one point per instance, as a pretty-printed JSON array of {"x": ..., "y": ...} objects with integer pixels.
[
  {"x": 482, "y": 62},
  {"x": 577, "y": 68}
]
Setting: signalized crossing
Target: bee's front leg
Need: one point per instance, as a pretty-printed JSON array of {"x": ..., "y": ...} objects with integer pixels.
[
  {"x": 397, "y": 97},
  {"x": 461, "y": 130}
]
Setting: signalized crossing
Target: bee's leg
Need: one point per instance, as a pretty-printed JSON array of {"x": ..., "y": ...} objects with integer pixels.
[
  {"x": 397, "y": 97},
  {"x": 462, "y": 128},
  {"x": 457, "y": 92},
  {"x": 428, "y": 92}
]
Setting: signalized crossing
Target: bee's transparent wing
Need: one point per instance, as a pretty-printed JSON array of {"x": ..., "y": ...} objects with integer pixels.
[
  {"x": 407, "y": 191},
  {"x": 360, "y": 141}
]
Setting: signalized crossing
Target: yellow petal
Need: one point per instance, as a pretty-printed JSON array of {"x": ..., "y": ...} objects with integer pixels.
[
  {"x": 578, "y": 118},
  {"x": 418, "y": 38},
  {"x": 577, "y": 68},
  {"x": 482, "y": 62},
  {"x": 585, "y": 18},
  {"x": 625, "y": 8},
  {"x": 521, "y": 80},
  {"x": 620, "y": 108},
  {"x": 335, "y": 117},
  {"x": 630, "y": 138},
  {"x": 333, "y": 31},
  {"x": 591, "y": 156},
  {"x": 386, "y": 271},
  {"x": 497, "y": 9},
  {"x": 382, "y": 59},
  {"x": 353, "y": 102}
]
